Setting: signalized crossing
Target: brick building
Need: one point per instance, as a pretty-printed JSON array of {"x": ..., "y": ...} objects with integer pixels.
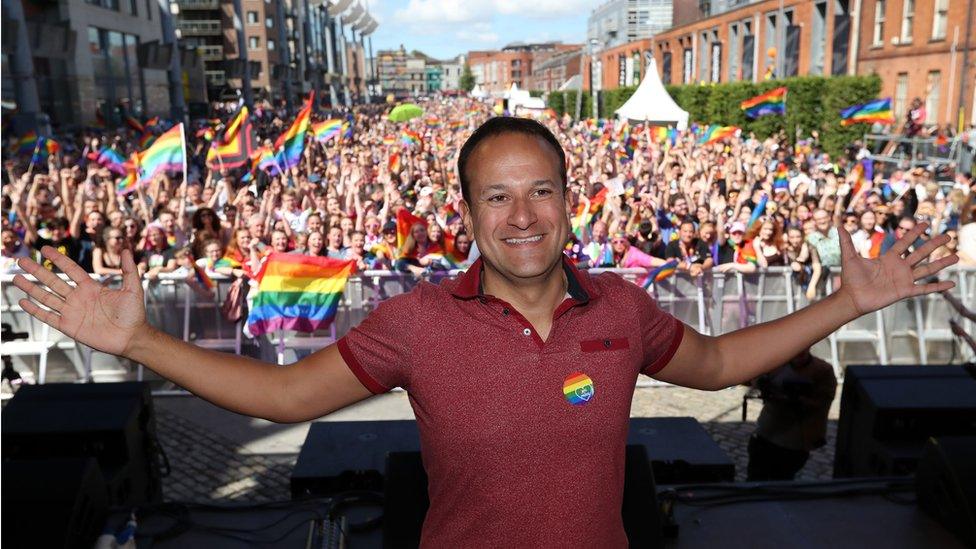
[
  {"x": 916, "y": 46},
  {"x": 552, "y": 73},
  {"x": 496, "y": 70}
]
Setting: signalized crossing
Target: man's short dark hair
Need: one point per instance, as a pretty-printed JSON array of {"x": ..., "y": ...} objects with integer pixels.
[{"x": 501, "y": 125}]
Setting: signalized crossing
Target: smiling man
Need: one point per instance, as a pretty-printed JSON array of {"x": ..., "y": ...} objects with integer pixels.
[{"x": 520, "y": 372}]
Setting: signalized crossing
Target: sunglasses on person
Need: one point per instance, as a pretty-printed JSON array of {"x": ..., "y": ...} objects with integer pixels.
[
  {"x": 619, "y": 241},
  {"x": 903, "y": 228}
]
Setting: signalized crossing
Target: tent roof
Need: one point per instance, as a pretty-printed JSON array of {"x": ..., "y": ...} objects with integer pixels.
[{"x": 652, "y": 103}]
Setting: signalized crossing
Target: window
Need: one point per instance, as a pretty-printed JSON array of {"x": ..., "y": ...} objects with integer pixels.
[
  {"x": 117, "y": 76},
  {"x": 932, "y": 89},
  {"x": 268, "y": 22},
  {"x": 907, "y": 21},
  {"x": 940, "y": 19},
  {"x": 252, "y": 18},
  {"x": 901, "y": 95},
  {"x": 879, "y": 19},
  {"x": 271, "y": 44},
  {"x": 107, "y": 4},
  {"x": 253, "y": 42},
  {"x": 149, "y": 9}
]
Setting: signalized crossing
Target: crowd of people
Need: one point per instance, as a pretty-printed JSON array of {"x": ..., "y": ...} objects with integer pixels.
[{"x": 639, "y": 198}]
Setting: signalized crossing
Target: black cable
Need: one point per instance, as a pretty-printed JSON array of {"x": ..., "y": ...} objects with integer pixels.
[{"x": 728, "y": 494}]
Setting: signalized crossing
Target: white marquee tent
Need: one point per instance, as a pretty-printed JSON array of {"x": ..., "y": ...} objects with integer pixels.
[{"x": 652, "y": 104}]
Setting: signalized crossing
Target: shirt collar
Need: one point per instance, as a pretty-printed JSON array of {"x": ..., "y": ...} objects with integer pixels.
[{"x": 580, "y": 289}]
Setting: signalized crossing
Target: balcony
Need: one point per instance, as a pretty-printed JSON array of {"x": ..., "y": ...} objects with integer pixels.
[
  {"x": 211, "y": 53},
  {"x": 199, "y": 4},
  {"x": 216, "y": 78},
  {"x": 205, "y": 27}
]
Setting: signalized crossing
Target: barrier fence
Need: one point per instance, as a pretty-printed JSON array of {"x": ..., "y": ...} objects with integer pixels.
[{"x": 913, "y": 331}]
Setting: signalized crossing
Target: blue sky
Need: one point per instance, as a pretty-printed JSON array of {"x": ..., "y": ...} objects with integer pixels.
[{"x": 445, "y": 28}]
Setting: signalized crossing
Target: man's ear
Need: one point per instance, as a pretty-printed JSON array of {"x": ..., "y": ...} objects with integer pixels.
[{"x": 466, "y": 217}]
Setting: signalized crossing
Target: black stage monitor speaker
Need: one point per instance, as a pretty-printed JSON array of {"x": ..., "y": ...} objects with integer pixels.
[
  {"x": 349, "y": 455},
  {"x": 681, "y": 451},
  {"x": 111, "y": 422},
  {"x": 406, "y": 502},
  {"x": 888, "y": 412},
  {"x": 945, "y": 483},
  {"x": 57, "y": 503}
]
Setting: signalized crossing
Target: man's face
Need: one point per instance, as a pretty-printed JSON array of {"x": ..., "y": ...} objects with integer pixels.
[
  {"x": 516, "y": 208},
  {"x": 168, "y": 221},
  {"x": 600, "y": 232},
  {"x": 687, "y": 233},
  {"x": 822, "y": 220},
  {"x": 680, "y": 208},
  {"x": 335, "y": 237},
  {"x": 279, "y": 241}
]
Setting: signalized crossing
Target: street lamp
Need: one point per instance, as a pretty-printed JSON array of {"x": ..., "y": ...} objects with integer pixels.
[{"x": 594, "y": 44}]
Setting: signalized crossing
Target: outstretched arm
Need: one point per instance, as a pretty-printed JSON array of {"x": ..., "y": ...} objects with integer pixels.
[
  {"x": 712, "y": 363},
  {"x": 114, "y": 321}
]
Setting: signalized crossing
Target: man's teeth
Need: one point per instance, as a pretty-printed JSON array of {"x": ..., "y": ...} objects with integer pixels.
[{"x": 524, "y": 240}]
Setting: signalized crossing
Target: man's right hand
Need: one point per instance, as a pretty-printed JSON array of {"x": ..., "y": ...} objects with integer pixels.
[{"x": 88, "y": 312}]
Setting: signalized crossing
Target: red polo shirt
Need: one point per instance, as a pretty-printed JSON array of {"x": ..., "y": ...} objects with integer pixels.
[{"x": 523, "y": 439}]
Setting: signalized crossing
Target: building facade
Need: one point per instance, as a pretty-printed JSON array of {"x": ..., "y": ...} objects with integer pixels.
[
  {"x": 909, "y": 43},
  {"x": 452, "y": 69},
  {"x": 496, "y": 70},
  {"x": 551, "y": 74},
  {"x": 618, "y": 22},
  {"x": 85, "y": 57}
]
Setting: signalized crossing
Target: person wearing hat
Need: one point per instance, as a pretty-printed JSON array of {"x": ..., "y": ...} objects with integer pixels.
[
  {"x": 737, "y": 254},
  {"x": 386, "y": 250},
  {"x": 521, "y": 371}
]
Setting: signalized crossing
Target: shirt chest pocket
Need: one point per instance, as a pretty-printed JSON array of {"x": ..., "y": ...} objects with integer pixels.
[{"x": 604, "y": 345}]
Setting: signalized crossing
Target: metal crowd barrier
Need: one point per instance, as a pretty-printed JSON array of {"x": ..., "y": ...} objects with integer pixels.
[{"x": 913, "y": 331}]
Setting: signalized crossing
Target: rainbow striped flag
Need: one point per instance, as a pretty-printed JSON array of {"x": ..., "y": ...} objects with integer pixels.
[
  {"x": 714, "y": 134},
  {"x": 167, "y": 154},
  {"x": 771, "y": 102},
  {"x": 865, "y": 173},
  {"x": 439, "y": 143},
  {"x": 297, "y": 292},
  {"x": 456, "y": 124},
  {"x": 202, "y": 278},
  {"x": 432, "y": 122},
  {"x": 747, "y": 253},
  {"x": 326, "y": 130},
  {"x": 27, "y": 143},
  {"x": 394, "y": 163},
  {"x": 389, "y": 140},
  {"x": 44, "y": 146},
  {"x": 146, "y": 140},
  {"x": 658, "y": 134},
  {"x": 781, "y": 179},
  {"x": 757, "y": 213},
  {"x": 584, "y": 216},
  {"x": 134, "y": 124},
  {"x": 878, "y": 110},
  {"x": 405, "y": 221},
  {"x": 660, "y": 273},
  {"x": 347, "y": 130},
  {"x": 127, "y": 184},
  {"x": 111, "y": 159},
  {"x": 292, "y": 142},
  {"x": 266, "y": 160},
  {"x": 408, "y": 137}
]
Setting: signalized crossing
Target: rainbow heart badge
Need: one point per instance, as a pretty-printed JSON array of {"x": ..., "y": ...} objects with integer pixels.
[{"x": 578, "y": 389}]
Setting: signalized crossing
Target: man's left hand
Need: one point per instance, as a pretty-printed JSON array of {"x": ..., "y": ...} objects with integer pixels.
[{"x": 872, "y": 284}]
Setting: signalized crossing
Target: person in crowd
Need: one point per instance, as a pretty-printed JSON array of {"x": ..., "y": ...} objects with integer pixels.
[
  {"x": 692, "y": 254},
  {"x": 158, "y": 256},
  {"x": 107, "y": 257},
  {"x": 769, "y": 245}
]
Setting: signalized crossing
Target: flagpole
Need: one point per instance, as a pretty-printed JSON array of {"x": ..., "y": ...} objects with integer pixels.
[{"x": 183, "y": 142}]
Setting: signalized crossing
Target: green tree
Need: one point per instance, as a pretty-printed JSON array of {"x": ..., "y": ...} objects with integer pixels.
[{"x": 467, "y": 79}]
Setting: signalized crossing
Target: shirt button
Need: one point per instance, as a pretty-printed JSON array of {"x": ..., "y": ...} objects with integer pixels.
[
  {"x": 505, "y": 311},
  {"x": 527, "y": 332},
  {"x": 606, "y": 343}
]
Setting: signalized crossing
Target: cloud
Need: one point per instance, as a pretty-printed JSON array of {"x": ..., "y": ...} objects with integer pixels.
[
  {"x": 443, "y": 12},
  {"x": 544, "y": 8},
  {"x": 479, "y": 32}
]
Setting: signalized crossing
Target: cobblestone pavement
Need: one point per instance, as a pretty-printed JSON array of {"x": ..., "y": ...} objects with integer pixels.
[{"x": 208, "y": 467}]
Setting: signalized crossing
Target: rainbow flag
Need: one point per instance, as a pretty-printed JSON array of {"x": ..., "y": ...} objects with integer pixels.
[
  {"x": 326, "y": 130},
  {"x": 202, "y": 278},
  {"x": 27, "y": 143},
  {"x": 394, "y": 163},
  {"x": 757, "y": 213},
  {"x": 748, "y": 253},
  {"x": 146, "y": 140},
  {"x": 347, "y": 130},
  {"x": 714, "y": 134},
  {"x": 439, "y": 143},
  {"x": 127, "y": 184},
  {"x": 207, "y": 134},
  {"x": 154, "y": 121},
  {"x": 584, "y": 216},
  {"x": 292, "y": 142},
  {"x": 865, "y": 173},
  {"x": 167, "y": 154},
  {"x": 389, "y": 140},
  {"x": 781, "y": 179},
  {"x": 227, "y": 261},
  {"x": 234, "y": 147},
  {"x": 771, "y": 102},
  {"x": 658, "y": 134},
  {"x": 134, "y": 124},
  {"x": 432, "y": 122},
  {"x": 297, "y": 292},
  {"x": 878, "y": 110},
  {"x": 266, "y": 160},
  {"x": 408, "y": 137},
  {"x": 405, "y": 220},
  {"x": 456, "y": 124},
  {"x": 660, "y": 273},
  {"x": 111, "y": 159}
]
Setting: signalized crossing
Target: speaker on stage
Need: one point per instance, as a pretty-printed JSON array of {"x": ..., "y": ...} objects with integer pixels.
[
  {"x": 111, "y": 422},
  {"x": 888, "y": 412},
  {"x": 945, "y": 483},
  {"x": 57, "y": 503},
  {"x": 406, "y": 502}
]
